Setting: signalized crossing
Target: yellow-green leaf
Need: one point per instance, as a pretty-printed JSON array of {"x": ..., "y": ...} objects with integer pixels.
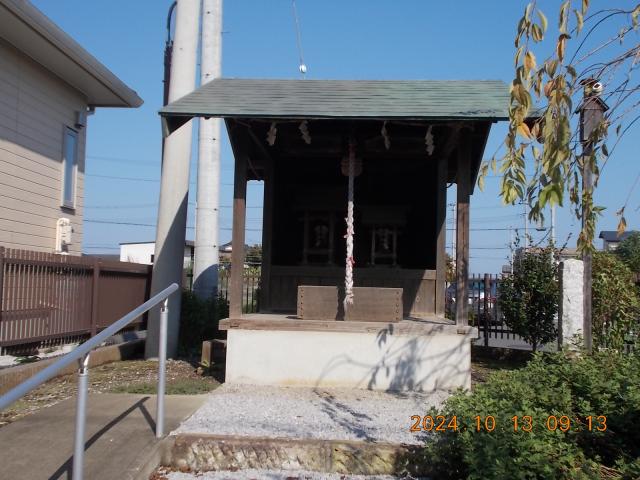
[
  {"x": 536, "y": 150},
  {"x": 562, "y": 19},
  {"x": 530, "y": 60},
  {"x": 622, "y": 225},
  {"x": 579, "y": 20},
  {"x": 543, "y": 21},
  {"x": 523, "y": 130},
  {"x": 560, "y": 48},
  {"x": 536, "y": 32},
  {"x": 516, "y": 59}
]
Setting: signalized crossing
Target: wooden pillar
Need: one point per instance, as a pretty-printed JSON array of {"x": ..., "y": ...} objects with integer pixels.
[
  {"x": 462, "y": 232},
  {"x": 441, "y": 235},
  {"x": 267, "y": 235},
  {"x": 591, "y": 116},
  {"x": 237, "y": 239}
]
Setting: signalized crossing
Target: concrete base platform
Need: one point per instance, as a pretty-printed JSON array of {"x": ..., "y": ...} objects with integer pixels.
[
  {"x": 411, "y": 355},
  {"x": 120, "y": 440}
]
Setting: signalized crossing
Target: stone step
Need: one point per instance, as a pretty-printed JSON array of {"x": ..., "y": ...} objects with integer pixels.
[
  {"x": 204, "y": 453},
  {"x": 163, "y": 474}
]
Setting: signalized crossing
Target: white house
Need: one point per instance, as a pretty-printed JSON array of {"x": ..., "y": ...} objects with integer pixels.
[
  {"x": 142, "y": 252},
  {"x": 48, "y": 85}
]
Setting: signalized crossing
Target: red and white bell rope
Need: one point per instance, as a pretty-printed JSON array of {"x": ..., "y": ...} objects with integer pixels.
[{"x": 350, "y": 262}]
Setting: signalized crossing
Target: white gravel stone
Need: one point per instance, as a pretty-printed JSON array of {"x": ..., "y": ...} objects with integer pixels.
[
  {"x": 294, "y": 412},
  {"x": 275, "y": 475}
]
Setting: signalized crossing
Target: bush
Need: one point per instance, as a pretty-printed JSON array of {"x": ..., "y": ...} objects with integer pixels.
[
  {"x": 529, "y": 297},
  {"x": 199, "y": 321},
  {"x": 550, "y": 385},
  {"x": 616, "y": 306},
  {"x": 629, "y": 251}
]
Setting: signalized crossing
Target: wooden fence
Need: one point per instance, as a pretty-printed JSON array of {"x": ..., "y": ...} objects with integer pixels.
[{"x": 44, "y": 297}]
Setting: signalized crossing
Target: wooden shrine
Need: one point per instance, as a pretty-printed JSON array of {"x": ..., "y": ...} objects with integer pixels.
[{"x": 405, "y": 142}]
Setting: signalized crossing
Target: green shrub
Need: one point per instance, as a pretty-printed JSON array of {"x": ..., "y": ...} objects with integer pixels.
[
  {"x": 616, "y": 307},
  {"x": 550, "y": 385},
  {"x": 199, "y": 321},
  {"x": 529, "y": 297},
  {"x": 629, "y": 251}
]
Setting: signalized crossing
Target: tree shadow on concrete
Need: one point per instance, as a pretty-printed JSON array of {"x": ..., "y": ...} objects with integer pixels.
[{"x": 399, "y": 366}]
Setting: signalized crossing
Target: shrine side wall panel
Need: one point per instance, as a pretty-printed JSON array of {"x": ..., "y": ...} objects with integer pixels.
[{"x": 419, "y": 286}]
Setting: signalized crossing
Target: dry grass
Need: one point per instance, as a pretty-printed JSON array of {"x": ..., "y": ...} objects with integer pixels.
[{"x": 129, "y": 376}]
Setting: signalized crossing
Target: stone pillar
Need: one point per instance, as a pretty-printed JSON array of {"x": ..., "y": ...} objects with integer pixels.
[{"x": 570, "y": 315}]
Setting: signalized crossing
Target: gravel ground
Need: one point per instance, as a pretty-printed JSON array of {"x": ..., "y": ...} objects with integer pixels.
[
  {"x": 271, "y": 475},
  {"x": 335, "y": 414}
]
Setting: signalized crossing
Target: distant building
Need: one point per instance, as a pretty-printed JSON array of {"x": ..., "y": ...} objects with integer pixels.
[
  {"x": 611, "y": 239},
  {"x": 225, "y": 252},
  {"x": 142, "y": 252}
]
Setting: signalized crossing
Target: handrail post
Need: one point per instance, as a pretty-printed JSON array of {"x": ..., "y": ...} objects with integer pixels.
[
  {"x": 81, "y": 418},
  {"x": 162, "y": 364}
]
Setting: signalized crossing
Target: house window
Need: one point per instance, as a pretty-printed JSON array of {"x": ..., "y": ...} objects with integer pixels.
[{"x": 69, "y": 168}]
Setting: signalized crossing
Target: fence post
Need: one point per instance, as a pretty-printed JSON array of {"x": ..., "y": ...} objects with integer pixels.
[
  {"x": 162, "y": 368},
  {"x": 487, "y": 294},
  {"x": 81, "y": 418},
  {"x": 95, "y": 283}
]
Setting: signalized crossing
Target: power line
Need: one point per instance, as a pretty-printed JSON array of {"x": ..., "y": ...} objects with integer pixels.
[
  {"x": 302, "y": 66},
  {"x": 124, "y": 160},
  {"x": 113, "y": 177},
  {"x": 135, "y": 224},
  {"x": 147, "y": 205},
  {"x": 135, "y": 161},
  {"x": 153, "y": 180},
  {"x": 483, "y": 229}
]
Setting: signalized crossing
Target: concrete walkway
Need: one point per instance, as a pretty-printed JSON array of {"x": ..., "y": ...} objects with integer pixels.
[{"x": 119, "y": 438}]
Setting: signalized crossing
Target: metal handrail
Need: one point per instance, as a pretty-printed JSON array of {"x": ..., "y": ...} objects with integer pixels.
[{"x": 81, "y": 355}]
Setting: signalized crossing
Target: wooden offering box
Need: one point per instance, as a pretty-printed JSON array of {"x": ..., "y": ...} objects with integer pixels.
[{"x": 370, "y": 304}]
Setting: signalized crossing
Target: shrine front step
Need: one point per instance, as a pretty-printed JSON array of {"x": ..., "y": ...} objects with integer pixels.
[
  {"x": 202, "y": 453},
  {"x": 370, "y": 304}
]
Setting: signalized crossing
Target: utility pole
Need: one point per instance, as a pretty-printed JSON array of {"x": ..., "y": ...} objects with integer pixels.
[
  {"x": 206, "y": 256},
  {"x": 591, "y": 116},
  {"x": 174, "y": 184},
  {"x": 453, "y": 236},
  {"x": 511, "y": 243},
  {"x": 553, "y": 225},
  {"x": 526, "y": 225}
]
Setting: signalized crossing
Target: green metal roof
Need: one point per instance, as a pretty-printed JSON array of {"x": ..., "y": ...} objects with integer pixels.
[{"x": 342, "y": 99}]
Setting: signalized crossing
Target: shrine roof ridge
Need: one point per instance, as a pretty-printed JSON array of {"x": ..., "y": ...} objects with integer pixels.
[{"x": 342, "y": 99}]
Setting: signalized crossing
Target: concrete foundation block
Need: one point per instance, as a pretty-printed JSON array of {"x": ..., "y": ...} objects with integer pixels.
[{"x": 367, "y": 360}]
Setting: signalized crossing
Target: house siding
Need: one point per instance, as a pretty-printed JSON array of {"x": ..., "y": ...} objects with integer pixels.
[{"x": 35, "y": 108}]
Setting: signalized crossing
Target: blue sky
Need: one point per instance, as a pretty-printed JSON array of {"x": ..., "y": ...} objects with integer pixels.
[{"x": 355, "y": 39}]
